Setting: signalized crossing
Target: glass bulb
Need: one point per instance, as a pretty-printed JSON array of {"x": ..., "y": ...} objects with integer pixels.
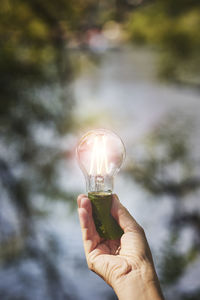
[{"x": 100, "y": 154}]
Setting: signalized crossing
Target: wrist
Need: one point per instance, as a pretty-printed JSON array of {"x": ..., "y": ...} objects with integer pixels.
[{"x": 140, "y": 284}]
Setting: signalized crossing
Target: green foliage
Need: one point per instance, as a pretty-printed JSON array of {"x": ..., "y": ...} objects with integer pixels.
[
  {"x": 166, "y": 149},
  {"x": 173, "y": 263},
  {"x": 28, "y": 63},
  {"x": 163, "y": 165},
  {"x": 172, "y": 27},
  {"x": 36, "y": 71},
  {"x": 172, "y": 266}
]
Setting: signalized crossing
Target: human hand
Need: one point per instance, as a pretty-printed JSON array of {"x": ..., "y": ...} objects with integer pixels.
[{"x": 126, "y": 264}]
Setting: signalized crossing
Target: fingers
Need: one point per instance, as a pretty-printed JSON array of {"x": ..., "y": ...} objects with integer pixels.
[
  {"x": 89, "y": 233},
  {"x": 122, "y": 216}
]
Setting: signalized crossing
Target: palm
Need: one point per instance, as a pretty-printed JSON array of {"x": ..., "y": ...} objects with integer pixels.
[{"x": 113, "y": 259}]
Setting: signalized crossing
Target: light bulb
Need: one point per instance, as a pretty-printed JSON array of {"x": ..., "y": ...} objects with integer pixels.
[{"x": 100, "y": 155}]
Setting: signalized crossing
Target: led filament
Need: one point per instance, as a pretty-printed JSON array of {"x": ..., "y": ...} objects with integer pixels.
[{"x": 99, "y": 160}]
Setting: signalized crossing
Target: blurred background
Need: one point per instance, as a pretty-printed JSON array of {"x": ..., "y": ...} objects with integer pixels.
[{"x": 132, "y": 66}]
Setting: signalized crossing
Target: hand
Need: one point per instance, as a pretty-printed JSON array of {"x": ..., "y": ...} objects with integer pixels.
[{"x": 126, "y": 264}]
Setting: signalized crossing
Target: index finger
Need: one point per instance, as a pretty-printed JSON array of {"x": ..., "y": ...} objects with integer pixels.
[{"x": 89, "y": 234}]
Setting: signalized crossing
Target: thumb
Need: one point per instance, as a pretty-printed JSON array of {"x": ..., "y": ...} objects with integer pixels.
[{"x": 122, "y": 216}]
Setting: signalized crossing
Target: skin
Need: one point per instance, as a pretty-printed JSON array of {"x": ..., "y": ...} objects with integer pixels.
[{"x": 125, "y": 264}]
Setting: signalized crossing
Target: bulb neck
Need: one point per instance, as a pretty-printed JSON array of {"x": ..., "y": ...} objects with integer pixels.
[{"x": 99, "y": 183}]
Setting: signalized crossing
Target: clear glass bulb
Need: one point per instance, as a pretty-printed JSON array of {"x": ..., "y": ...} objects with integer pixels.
[{"x": 100, "y": 154}]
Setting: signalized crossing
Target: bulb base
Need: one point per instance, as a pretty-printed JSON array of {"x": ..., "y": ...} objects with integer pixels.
[
  {"x": 106, "y": 225},
  {"x": 99, "y": 183}
]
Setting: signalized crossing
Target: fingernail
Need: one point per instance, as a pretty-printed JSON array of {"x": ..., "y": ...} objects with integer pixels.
[{"x": 82, "y": 201}]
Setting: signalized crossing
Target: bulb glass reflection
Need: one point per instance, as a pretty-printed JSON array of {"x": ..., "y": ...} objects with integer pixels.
[{"x": 100, "y": 154}]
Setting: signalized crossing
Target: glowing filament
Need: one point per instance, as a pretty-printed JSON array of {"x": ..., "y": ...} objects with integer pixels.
[{"x": 99, "y": 162}]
